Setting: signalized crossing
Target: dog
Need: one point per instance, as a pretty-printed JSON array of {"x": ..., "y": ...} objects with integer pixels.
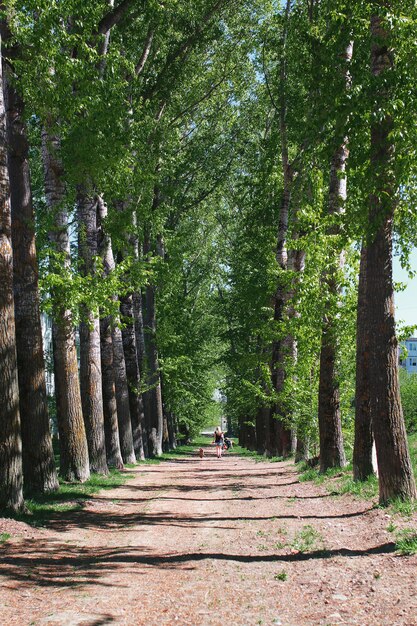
[{"x": 201, "y": 453}]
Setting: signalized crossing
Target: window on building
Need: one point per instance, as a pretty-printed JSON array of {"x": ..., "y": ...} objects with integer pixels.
[{"x": 414, "y": 362}]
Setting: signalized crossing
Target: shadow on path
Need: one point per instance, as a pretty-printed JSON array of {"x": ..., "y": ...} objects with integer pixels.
[{"x": 49, "y": 564}]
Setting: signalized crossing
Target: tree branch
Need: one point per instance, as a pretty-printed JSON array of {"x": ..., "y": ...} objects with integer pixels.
[
  {"x": 146, "y": 50},
  {"x": 184, "y": 47},
  {"x": 199, "y": 101},
  {"x": 113, "y": 17}
]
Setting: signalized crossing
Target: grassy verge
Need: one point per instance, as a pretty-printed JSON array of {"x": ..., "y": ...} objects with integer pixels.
[
  {"x": 237, "y": 450},
  {"x": 203, "y": 441},
  {"x": 339, "y": 481},
  {"x": 69, "y": 497}
]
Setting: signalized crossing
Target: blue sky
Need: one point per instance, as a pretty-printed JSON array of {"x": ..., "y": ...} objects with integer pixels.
[{"x": 406, "y": 301}]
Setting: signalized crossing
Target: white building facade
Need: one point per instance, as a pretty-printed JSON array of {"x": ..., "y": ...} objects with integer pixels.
[{"x": 409, "y": 362}]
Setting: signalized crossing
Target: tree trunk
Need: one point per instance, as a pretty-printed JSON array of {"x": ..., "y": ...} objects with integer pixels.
[
  {"x": 122, "y": 398},
  {"x": 250, "y": 437},
  {"x": 330, "y": 428},
  {"x": 38, "y": 457},
  {"x": 90, "y": 358},
  {"x": 262, "y": 416},
  {"x": 277, "y": 432},
  {"x": 11, "y": 472},
  {"x": 165, "y": 436},
  {"x": 156, "y": 425},
  {"x": 140, "y": 349},
  {"x": 133, "y": 374},
  {"x": 302, "y": 449},
  {"x": 154, "y": 381},
  {"x": 331, "y": 441},
  {"x": 74, "y": 463},
  {"x": 362, "y": 449},
  {"x": 395, "y": 471},
  {"x": 111, "y": 427},
  {"x": 171, "y": 431},
  {"x": 114, "y": 371}
]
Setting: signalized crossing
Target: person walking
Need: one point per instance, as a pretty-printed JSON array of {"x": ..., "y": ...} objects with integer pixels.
[{"x": 218, "y": 441}]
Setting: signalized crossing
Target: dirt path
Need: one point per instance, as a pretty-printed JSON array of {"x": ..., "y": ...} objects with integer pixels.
[{"x": 211, "y": 542}]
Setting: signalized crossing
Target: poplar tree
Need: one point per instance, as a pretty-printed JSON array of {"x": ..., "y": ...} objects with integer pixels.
[{"x": 11, "y": 473}]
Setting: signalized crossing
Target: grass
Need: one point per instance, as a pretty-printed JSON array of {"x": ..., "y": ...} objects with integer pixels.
[
  {"x": 405, "y": 508},
  {"x": 308, "y": 539},
  {"x": 367, "y": 490},
  {"x": 406, "y": 541},
  {"x": 252, "y": 454},
  {"x": 204, "y": 441},
  {"x": 4, "y": 537},
  {"x": 314, "y": 474},
  {"x": 281, "y": 575},
  {"x": 69, "y": 497}
]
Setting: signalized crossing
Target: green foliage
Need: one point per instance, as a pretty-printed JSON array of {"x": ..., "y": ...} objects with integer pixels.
[
  {"x": 408, "y": 386},
  {"x": 282, "y": 575},
  {"x": 366, "y": 489},
  {"x": 406, "y": 541},
  {"x": 314, "y": 474},
  {"x": 405, "y": 508},
  {"x": 189, "y": 152},
  {"x": 4, "y": 537},
  {"x": 69, "y": 497}
]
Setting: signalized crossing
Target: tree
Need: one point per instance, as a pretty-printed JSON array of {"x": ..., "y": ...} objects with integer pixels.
[
  {"x": 362, "y": 449},
  {"x": 118, "y": 424},
  {"x": 90, "y": 357},
  {"x": 395, "y": 471},
  {"x": 38, "y": 456},
  {"x": 330, "y": 428},
  {"x": 11, "y": 473},
  {"x": 74, "y": 463}
]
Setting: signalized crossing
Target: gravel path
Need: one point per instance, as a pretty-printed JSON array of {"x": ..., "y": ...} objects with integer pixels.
[{"x": 213, "y": 542}]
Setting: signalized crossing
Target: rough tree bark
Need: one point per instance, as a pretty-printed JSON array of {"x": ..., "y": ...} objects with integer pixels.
[
  {"x": 262, "y": 415},
  {"x": 394, "y": 466},
  {"x": 111, "y": 427},
  {"x": 38, "y": 458},
  {"x": 140, "y": 349},
  {"x": 74, "y": 463},
  {"x": 172, "y": 434},
  {"x": 90, "y": 356},
  {"x": 11, "y": 472},
  {"x": 133, "y": 374},
  {"x": 154, "y": 381},
  {"x": 122, "y": 398},
  {"x": 362, "y": 449},
  {"x": 130, "y": 346},
  {"x": 113, "y": 365}
]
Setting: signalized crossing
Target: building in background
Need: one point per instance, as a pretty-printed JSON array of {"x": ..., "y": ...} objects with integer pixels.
[{"x": 408, "y": 360}]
